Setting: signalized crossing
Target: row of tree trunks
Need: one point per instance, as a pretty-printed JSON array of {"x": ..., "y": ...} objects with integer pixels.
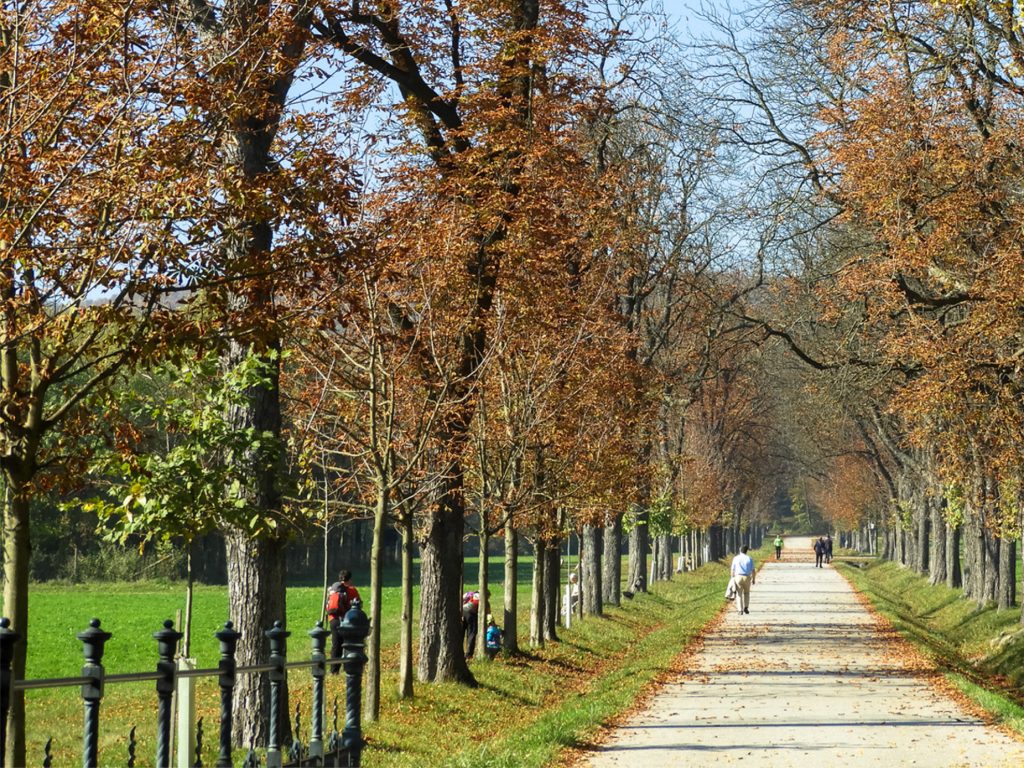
[
  {"x": 662, "y": 565},
  {"x": 974, "y": 555}
]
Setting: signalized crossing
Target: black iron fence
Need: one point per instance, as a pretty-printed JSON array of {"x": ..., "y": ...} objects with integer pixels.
[{"x": 337, "y": 750}]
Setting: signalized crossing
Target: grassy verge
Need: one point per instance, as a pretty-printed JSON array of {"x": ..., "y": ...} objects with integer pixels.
[
  {"x": 526, "y": 710},
  {"x": 979, "y": 650}
]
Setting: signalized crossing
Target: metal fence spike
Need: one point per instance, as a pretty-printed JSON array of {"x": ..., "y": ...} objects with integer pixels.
[
  {"x": 198, "y": 763},
  {"x": 132, "y": 744},
  {"x": 252, "y": 760}
]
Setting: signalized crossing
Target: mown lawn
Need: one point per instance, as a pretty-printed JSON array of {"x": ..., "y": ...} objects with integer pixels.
[
  {"x": 524, "y": 712},
  {"x": 980, "y": 650}
]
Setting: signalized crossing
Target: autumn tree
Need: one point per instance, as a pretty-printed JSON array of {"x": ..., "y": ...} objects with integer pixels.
[
  {"x": 488, "y": 93},
  {"x": 90, "y": 143},
  {"x": 274, "y": 205},
  {"x": 368, "y": 424}
]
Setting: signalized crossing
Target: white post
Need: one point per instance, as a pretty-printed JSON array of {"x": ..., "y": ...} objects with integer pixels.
[
  {"x": 185, "y": 692},
  {"x": 567, "y": 605}
]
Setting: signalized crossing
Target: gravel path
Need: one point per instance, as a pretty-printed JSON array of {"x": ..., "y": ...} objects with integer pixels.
[{"x": 804, "y": 679}]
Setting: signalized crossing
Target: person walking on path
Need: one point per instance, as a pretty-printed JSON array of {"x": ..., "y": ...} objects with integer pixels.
[
  {"x": 778, "y": 547},
  {"x": 743, "y": 576},
  {"x": 819, "y": 552},
  {"x": 828, "y": 547}
]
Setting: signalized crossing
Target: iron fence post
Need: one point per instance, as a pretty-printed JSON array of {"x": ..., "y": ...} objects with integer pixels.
[
  {"x": 93, "y": 639},
  {"x": 228, "y": 638},
  {"x": 167, "y": 645},
  {"x": 354, "y": 629},
  {"x": 319, "y": 637},
  {"x": 8, "y": 637},
  {"x": 276, "y": 637}
]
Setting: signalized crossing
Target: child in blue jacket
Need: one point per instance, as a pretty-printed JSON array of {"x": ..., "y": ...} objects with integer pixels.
[{"x": 492, "y": 640}]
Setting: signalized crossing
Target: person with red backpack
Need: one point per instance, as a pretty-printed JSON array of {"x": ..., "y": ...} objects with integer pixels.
[{"x": 339, "y": 599}]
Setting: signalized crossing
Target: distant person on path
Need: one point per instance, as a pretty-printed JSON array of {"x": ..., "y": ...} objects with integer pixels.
[
  {"x": 470, "y": 612},
  {"x": 819, "y": 552},
  {"x": 339, "y": 600},
  {"x": 743, "y": 576},
  {"x": 778, "y": 547},
  {"x": 828, "y": 547},
  {"x": 492, "y": 640}
]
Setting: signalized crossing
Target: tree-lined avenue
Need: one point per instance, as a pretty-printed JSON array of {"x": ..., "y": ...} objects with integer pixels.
[{"x": 808, "y": 675}]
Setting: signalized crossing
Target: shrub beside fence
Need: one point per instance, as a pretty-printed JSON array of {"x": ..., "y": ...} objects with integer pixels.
[{"x": 344, "y": 749}]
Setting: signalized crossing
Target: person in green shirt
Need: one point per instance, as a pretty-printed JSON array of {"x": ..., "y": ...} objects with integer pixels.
[{"x": 778, "y": 547}]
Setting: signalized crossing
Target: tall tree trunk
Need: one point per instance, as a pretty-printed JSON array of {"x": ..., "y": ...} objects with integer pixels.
[
  {"x": 510, "y": 627},
  {"x": 537, "y": 607},
  {"x": 937, "y": 556},
  {"x": 975, "y": 578},
  {"x": 405, "y": 665},
  {"x": 256, "y": 594},
  {"x": 371, "y": 708},
  {"x": 717, "y": 543},
  {"x": 591, "y": 575},
  {"x": 1013, "y": 572},
  {"x": 991, "y": 551},
  {"x": 638, "y": 546},
  {"x": 611, "y": 560},
  {"x": 442, "y": 657},
  {"x": 190, "y": 589},
  {"x": 17, "y": 550},
  {"x": 921, "y": 523},
  {"x": 326, "y": 572},
  {"x": 1006, "y": 572},
  {"x": 666, "y": 557},
  {"x": 910, "y": 543},
  {"x": 954, "y": 574},
  {"x": 256, "y": 568},
  {"x": 552, "y": 585},
  {"x": 483, "y": 582}
]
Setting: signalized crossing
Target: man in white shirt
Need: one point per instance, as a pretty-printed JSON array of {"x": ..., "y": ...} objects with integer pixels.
[{"x": 743, "y": 575}]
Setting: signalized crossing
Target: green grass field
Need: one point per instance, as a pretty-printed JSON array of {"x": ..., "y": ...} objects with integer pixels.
[{"x": 526, "y": 709}]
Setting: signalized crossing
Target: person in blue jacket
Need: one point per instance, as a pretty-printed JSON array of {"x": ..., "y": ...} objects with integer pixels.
[{"x": 492, "y": 639}]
